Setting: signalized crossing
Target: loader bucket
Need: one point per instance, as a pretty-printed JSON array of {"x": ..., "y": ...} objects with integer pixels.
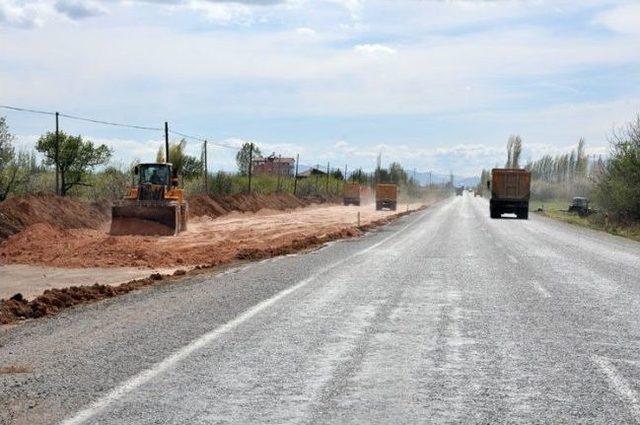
[{"x": 146, "y": 218}]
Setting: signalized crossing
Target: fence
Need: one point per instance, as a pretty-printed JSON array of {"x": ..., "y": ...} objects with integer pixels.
[{"x": 307, "y": 179}]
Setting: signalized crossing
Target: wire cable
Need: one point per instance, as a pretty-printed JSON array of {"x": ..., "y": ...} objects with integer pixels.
[
  {"x": 201, "y": 139},
  {"x": 33, "y": 111},
  {"x": 115, "y": 124},
  {"x": 123, "y": 125}
]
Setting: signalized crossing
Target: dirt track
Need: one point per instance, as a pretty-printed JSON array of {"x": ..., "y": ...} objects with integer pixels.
[{"x": 207, "y": 242}]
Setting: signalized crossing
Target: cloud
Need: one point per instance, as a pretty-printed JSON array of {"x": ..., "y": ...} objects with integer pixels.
[
  {"x": 621, "y": 19},
  {"x": 79, "y": 9},
  {"x": 304, "y": 31},
  {"x": 23, "y": 15},
  {"x": 374, "y": 49}
]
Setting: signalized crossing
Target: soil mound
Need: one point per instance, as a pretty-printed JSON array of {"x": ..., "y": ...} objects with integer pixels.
[
  {"x": 18, "y": 213},
  {"x": 216, "y": 206}
]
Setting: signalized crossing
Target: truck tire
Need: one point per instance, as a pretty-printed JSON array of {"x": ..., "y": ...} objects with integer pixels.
[
  {"x": 493, "y": 212},
  {"x": 525, "y": 214}
]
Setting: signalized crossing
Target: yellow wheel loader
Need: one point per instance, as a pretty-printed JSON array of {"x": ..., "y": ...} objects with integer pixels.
[{"x": 155, "y": 207}]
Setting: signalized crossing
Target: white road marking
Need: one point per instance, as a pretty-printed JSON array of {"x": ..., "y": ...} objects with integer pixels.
[
  {"x": 513, "y": 259},
  {"x": 169, "y": 362},
  {"x": 620, "y": 385},
  {"x": 541, "y": 289}
]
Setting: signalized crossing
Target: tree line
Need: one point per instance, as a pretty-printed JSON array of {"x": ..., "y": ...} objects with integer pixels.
[
  {"x": 613, "y": 182},
  {"x": 84, "y": 167}
]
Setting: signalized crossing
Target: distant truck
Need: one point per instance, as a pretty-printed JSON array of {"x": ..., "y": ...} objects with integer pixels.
[
  {"x": 580, "y": 205},
  {"x": 459, "y": 190},
  {"x": 386, "y": 196},
  {"x": 510, "y": 192},
  {"x": 351, "y": 194}
]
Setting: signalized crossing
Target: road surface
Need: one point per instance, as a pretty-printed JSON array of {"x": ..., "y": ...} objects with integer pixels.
[{"x": 443, "y": 316}]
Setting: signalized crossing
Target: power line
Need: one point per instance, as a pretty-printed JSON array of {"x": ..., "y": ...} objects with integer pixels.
[
  {"x": 201, "y": 139},
  {"x": 115, "y": 124},
  {"x": 33, "y": 111},
  {"x": 74, "y": 117}
]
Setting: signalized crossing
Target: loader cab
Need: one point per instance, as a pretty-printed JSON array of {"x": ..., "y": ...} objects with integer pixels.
[{"x": 159, "y": 174}]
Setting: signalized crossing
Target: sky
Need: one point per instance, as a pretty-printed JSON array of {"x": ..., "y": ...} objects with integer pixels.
[{"x": 436, "y": 85}]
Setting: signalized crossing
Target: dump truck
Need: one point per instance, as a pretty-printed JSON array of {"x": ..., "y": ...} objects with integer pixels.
[
  {"x": 386, "y": 196},
  {"x": 156, "y": 206},
  {"x": 510, "y": 191},
  {"x": 459, "y": 190},
  {"x": 351, "y": 194}
]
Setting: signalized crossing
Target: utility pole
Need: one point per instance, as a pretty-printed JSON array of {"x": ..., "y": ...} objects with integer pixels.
[
  {"x": 250, "y": 164},
  {"x": 279, "y": 172},
  {"x": 166, "y": 141},
  {"x": 57, "y": 154},
  {"x": 206, "y": 169},
  {"x": 326, "y": 189},
  {"x": 295, "y": 179},
  {"x": 345, "y": 173}
]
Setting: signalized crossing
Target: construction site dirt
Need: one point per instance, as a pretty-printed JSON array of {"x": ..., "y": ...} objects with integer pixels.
[
  {"x": 224, "y": 235},
  {"x": 209, "y": 244},
  {"x": 208, "y": 241}
]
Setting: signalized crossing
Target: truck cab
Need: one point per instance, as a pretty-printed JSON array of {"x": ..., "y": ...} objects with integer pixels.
[{"x": 510, "y": 191}]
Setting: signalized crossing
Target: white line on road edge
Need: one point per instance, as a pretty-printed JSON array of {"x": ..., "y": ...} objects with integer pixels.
[
  {"x": 620, "y": 385},
  {"x": 145, "y": 376},
  {"x": 541, "y": 289}
]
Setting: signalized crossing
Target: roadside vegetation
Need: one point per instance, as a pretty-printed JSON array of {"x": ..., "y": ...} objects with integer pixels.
[
  {"x": 86, "y": 171},
  {"x": 610, "y": 183}
]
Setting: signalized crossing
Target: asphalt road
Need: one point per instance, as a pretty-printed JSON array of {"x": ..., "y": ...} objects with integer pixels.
[{"x": 443, "y": 316}]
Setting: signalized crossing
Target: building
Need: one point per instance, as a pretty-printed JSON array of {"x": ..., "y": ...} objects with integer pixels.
[
  {"x": 311, "y": 172},
  {"x": 274, "y": 166}
]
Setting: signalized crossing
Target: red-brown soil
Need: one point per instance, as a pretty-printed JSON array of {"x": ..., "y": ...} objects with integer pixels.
[
  {"x": 19, "y": 213},
  {"x": 207, "y": 242},
  {"x": 54, "y": 300}
]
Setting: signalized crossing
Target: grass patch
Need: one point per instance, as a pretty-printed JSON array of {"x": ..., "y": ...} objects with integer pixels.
[{"x": 557, "y": 209}]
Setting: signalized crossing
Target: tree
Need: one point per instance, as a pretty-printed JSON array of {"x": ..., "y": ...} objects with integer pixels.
[
  {"x": 514, "y": 150},
  {"x": 185, "y": 165},
  {"x": 618, "y": 188},
  {"x": 243, "y": 157},
  {"x": 337, "y": 174},
  {"x": 397, "y": 174},
  {"x": 359, "y": 176},
  {"x": 76, "y": 158},
  {"x": 8, "y": 170}
]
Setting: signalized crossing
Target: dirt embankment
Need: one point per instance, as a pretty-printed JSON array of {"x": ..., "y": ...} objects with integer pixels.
[
  {"x": 17, "y": 214},
  {"x": 208, "y": 241},
  {"x": 54, "y": 300},
  {"x": 60, "y": 232}
]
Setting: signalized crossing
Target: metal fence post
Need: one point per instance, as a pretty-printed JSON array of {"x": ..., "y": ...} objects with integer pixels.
[
  {"x": 57, "y": 154},
  {"x": 206, "y": 169},
  {"x": 295, "y": 179},
  {"x": 250, "y": 165},
  {"x": 326, "y": 189},
  {"x": 166, "y": 141}
]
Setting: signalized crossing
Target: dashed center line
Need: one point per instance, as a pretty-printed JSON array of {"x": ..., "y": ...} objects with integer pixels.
[
  {"x": 620, "y": 385},
  {"x": 541, "y": 289}
]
